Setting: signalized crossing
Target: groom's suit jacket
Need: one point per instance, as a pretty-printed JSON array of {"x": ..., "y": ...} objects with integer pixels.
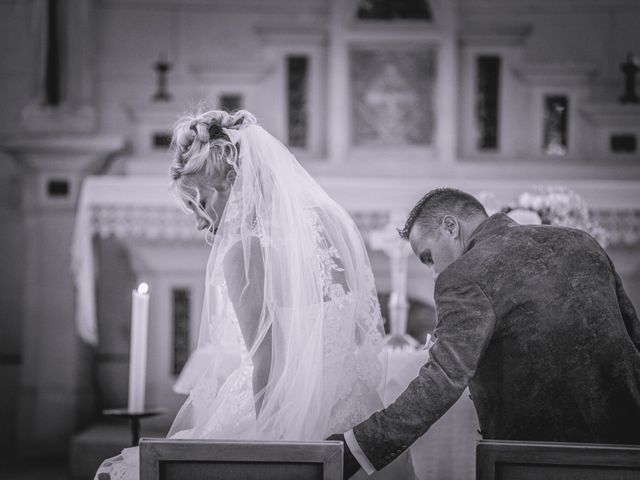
[{"x": 534, "y": 319}]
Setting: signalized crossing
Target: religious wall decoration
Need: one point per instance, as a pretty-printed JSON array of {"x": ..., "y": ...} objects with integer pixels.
[
  {"x": 623, "y": 143},
  {"x": 230, "y": 102},
  {"x": 392, "y": 92},
  {"x": 630, "y": 69},
  {"x": 181, "y": 306},
  {"x": 487, "y": 107},
  {"x": 394, "y": 9},
  {"x": 555, "y": 127},
  {"x": 297, "y": 100},
  {"x": 162, "y": 67}
]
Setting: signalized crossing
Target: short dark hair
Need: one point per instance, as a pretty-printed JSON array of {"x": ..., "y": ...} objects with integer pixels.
[{"x": 432, "y": 208}]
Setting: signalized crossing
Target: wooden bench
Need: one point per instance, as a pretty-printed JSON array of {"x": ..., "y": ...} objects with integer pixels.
[
  {"x": 511, "y": 460},
  {"x": 168, "y": 459}
]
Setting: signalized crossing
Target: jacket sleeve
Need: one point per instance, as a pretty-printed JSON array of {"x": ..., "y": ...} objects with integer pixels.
[
  {"x": 465, "y": 326},
  {"x": 629, "y": 315}
]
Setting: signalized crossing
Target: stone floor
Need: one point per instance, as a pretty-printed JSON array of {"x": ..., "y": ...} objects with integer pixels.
[
  {"x": 35, "y": 472},
  {"x": 87, "y": 449},
  {"x": 103, "y": 440}
]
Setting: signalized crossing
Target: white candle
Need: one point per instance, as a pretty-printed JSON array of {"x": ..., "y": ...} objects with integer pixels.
[{"x": 138, "y": 352}]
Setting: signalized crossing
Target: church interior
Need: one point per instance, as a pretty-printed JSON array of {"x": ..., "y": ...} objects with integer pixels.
[{"x": 522, "y": 103}]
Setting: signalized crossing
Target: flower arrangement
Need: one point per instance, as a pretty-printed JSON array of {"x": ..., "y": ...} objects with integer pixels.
[{"x": 556, "y": 205}]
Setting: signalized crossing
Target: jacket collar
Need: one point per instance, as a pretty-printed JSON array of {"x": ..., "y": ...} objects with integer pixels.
[{"x": 489, "y": 227}]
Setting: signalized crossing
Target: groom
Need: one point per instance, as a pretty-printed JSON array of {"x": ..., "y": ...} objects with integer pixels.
[{"x": 533, "y": 319}]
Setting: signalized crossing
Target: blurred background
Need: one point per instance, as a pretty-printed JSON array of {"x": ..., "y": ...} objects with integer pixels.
[{"x": 529, "y": 104}]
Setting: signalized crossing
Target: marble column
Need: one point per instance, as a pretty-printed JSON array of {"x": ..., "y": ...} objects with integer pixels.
[{"x": 55, "y": 394}]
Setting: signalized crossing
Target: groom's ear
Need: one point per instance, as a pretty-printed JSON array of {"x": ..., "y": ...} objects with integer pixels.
[{"x": 451, "y": 225}]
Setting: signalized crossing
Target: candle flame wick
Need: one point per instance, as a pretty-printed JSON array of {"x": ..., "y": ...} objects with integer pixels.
[{"x": 143, "y": 288}]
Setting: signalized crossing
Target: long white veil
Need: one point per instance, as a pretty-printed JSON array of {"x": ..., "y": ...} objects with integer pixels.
[{"x": 289, "y": 255}]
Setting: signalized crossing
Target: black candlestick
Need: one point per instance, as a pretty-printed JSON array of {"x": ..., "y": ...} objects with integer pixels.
[
  {"x": 134, "y": 419},
  {"x": 162, "y": 67},
  {"x": 630, "y": 69}
]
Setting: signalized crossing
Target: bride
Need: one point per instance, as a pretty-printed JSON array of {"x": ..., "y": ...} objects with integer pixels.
[{"x": 290, "y": 310}]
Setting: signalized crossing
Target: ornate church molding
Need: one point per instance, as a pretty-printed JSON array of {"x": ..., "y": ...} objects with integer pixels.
[
  {"x": 170, "y": 224},
  {"x": 142, "y": 207}
]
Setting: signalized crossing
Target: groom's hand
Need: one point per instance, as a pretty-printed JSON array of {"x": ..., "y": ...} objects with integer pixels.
[{"x": 349, "y": 463}]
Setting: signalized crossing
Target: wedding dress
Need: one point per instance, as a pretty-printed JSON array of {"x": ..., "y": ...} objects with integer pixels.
[{"x": 286, "y": 251}]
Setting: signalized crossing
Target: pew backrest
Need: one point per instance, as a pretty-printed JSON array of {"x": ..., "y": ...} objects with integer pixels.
[
  {"x": 511, "y": 460},
  {"x": 170, "y": 459}
]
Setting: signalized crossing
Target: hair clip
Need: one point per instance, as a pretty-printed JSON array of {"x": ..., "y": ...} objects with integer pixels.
[{"x": 215, "y": 131}]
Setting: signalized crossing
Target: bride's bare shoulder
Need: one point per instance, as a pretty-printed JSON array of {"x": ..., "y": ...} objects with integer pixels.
[{"x": 243, "y": 258}]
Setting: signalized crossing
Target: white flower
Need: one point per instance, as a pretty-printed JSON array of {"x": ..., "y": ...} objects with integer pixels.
[
  {"x": 524, "y": 200},
  {"x": 537, "y": 203},
  {"x": 557, "y": 205},
  {"x": 525, "y": 217}
]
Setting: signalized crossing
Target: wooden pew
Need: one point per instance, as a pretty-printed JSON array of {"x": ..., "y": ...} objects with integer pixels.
[
  {"x": 511, "y": 460},
  {"x": 168, "y": 459}
]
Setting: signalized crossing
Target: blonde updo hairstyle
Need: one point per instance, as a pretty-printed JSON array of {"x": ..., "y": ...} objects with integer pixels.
[{"x": 204, "y": 154}]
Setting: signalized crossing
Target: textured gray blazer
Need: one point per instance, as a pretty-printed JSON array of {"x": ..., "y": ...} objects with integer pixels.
[{"x": 534, "y": 319}]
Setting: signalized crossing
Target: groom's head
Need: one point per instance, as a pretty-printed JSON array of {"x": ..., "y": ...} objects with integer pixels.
[{"x": 440, "y": 224}]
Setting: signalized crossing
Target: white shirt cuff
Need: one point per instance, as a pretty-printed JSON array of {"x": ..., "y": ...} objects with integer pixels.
[{"x": 357, "y": 452}]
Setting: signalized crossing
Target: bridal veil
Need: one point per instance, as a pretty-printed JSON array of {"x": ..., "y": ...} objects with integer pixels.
[{"x": 287, "y": 252}]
